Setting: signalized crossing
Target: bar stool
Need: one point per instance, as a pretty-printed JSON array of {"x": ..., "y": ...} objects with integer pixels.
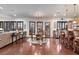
[
  {"x": 62, "y": 37},
  {"x": 13, "y": 35},
  {"x": 70, "y": 39}
]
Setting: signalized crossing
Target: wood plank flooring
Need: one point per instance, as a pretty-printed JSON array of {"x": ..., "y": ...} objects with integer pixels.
[{"x": 23, "y": 47}]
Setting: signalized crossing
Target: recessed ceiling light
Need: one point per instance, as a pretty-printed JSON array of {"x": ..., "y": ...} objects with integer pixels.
[
  {"x": 64, "y": 14},
  {"x": 1, "y": 8},
  {"x": 14, "y": 15},
  {"x": 55, "y": 15}
]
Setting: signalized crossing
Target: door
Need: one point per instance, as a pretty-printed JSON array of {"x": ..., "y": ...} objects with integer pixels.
[
  {"x": 47, "y": 29},
  {"x": 40, "y": 27}
]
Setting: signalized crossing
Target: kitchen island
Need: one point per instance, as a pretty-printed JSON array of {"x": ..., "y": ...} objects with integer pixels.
[{"x": 7, "y": 37}]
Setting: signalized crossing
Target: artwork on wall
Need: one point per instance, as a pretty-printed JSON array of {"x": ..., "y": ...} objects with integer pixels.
[
  {"x": 40, "y": 27},
  {"x": 47, "y": 29},
  {"x": 31, "y": 27}
]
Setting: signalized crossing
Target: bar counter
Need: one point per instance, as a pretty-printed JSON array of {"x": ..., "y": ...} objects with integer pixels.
[{"x": 7, "y": 38}]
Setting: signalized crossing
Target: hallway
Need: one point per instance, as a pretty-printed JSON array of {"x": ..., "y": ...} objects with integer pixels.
[{"x": 23, "y": 47}]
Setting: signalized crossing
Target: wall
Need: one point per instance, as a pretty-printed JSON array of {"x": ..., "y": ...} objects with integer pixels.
[
  {"x": 52, "y": 21},
  {"x": 26, "y": 23}
]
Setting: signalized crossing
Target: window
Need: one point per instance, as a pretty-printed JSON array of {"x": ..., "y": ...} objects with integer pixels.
[
  {"x": 6, "y": 25},
  {"x": 13, "y": 25},
  {"x": 47, "y": 29},
  {"x": 1, "y": 24},
  {"x": 20, "y": 25},
  {"x": 31, "y": 27},
  {"x": 40, "y": 27}
]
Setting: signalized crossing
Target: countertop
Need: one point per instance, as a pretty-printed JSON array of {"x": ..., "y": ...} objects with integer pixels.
[
  {"x": 7, "y": 32},
  {"x": 1, "y": 33}
]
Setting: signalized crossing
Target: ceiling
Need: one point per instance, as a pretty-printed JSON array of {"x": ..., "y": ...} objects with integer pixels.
[{"x": 38, "y": 10}]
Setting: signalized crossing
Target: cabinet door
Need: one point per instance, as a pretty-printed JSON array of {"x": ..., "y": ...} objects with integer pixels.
[{"x": 6, "y": 25}]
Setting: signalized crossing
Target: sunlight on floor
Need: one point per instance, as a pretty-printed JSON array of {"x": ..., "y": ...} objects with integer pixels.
[
  {"x": 59, "y": 47},
  {"x": 48, "y": 43}
]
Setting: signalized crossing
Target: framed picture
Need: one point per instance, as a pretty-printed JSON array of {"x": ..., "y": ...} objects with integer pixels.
[
  {"x": 31, "y": 27},
  {"x": 40, "y": 27},
  {"x": 47, "y": 29}
]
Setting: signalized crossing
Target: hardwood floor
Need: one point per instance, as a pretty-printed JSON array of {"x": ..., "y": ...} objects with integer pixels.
[{"x": 23, "y": 47}]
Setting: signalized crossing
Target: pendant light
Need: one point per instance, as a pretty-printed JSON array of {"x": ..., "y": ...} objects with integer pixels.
[
  {"x": 75, "y": 11},
  {"x": 74, "y": 15}
]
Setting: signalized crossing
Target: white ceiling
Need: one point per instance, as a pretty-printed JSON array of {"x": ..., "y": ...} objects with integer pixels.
[{"x": 31, "y": 10}]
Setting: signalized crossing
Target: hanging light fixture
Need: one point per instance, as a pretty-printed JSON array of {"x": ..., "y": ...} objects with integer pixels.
[
  {"x": 75, "y": 11},
  {"x": 66, "y": 13},
  {"x": 75, "y": 14}
]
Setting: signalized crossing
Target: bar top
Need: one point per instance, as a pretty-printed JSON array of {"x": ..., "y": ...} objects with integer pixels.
[
  {"x": 1, "y": 33},
  {"x": 7, "y": 32}
]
